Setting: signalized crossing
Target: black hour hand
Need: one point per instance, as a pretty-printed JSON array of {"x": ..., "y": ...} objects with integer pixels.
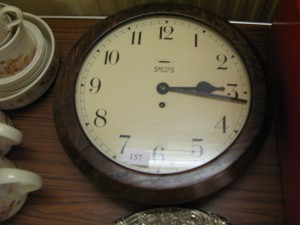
[{"x": 206, "y": 87}]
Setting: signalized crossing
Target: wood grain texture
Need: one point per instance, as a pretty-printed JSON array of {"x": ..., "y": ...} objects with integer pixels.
[{"x": 68, "y": 197}]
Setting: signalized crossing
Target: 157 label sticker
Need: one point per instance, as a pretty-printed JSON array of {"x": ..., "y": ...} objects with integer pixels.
[{"x": 136, "y": 157}]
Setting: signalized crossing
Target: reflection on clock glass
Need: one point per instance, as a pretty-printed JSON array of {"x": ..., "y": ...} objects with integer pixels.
[{"x": 162, "y": 94}]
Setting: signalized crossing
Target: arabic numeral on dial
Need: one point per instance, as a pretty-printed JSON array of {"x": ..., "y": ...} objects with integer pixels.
[
  {"x": 197, "y": 147},
  {"x": 233, "y": 90},
  {"x": 100, "y": 120},
  {"x": 126, "y": 137},
  {"x": 111, "y": 57},
  {"x": 222, "y": 124},
  {"x": 95, "y": 84},
  {"x": 196, "y": 40},
  {"x": 165, "y": 33},
  {"x": 136, "y": 38},
  {"x": 158, "y": 154},
  {"x": 222, "y": 59}
]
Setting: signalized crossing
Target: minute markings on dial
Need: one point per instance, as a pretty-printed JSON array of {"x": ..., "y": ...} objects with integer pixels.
[{"x": 203, "y": 89}]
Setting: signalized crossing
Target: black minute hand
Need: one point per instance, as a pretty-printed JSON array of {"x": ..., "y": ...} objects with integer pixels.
[{"x": 203, "y": 89}]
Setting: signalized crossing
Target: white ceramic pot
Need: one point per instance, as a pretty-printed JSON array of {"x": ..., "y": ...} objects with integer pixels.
[{"x": 15, "y": 184}]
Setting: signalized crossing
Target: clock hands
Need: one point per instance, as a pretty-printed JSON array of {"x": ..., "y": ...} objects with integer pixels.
[
  {"x": 202, "y": 86},
  {"x": 203, "y": 89}
]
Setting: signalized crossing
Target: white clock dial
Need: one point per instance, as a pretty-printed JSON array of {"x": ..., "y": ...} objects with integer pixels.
[{"x": 163, "y": 94}]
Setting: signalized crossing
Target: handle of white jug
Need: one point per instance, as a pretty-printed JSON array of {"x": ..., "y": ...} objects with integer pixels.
[
  {"x": 27, "y": 180},
  {"x": 10, "y": 133}
]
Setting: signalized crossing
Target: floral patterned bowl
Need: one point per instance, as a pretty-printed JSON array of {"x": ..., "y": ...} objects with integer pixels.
[
  {"x": 15, "y": 184},
  {"x": 42, "y": 82}
]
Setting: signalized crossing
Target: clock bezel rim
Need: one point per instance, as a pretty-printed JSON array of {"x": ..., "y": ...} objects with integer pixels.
[{"x": 110, "y": 24}]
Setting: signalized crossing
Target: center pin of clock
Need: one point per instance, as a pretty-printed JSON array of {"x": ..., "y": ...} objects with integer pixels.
[{"x": 162, "y": 88}]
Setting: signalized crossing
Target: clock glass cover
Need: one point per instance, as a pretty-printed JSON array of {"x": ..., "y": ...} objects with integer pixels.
[{"x": 162, "y": 94}]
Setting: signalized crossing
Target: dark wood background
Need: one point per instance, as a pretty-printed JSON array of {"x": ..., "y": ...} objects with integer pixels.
[{"x": 69, "y": 198}]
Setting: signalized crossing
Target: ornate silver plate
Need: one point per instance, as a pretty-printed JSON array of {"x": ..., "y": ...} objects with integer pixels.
[{"x": 173, "y": 216}]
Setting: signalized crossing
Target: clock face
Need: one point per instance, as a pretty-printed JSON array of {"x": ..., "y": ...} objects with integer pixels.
[{"x": 162, "y": 94}]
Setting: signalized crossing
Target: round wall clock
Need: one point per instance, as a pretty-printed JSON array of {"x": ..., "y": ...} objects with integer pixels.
[{"x": 162, "y": 103}]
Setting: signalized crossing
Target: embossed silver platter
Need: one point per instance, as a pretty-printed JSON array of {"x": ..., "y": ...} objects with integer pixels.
[{"x": 173, "y": 216}]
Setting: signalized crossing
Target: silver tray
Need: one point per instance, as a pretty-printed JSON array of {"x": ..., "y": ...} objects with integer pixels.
[{"x": 173, "y": 216}]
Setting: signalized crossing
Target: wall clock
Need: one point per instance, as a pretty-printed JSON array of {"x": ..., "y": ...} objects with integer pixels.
[{"x": 162, "y": 103}]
